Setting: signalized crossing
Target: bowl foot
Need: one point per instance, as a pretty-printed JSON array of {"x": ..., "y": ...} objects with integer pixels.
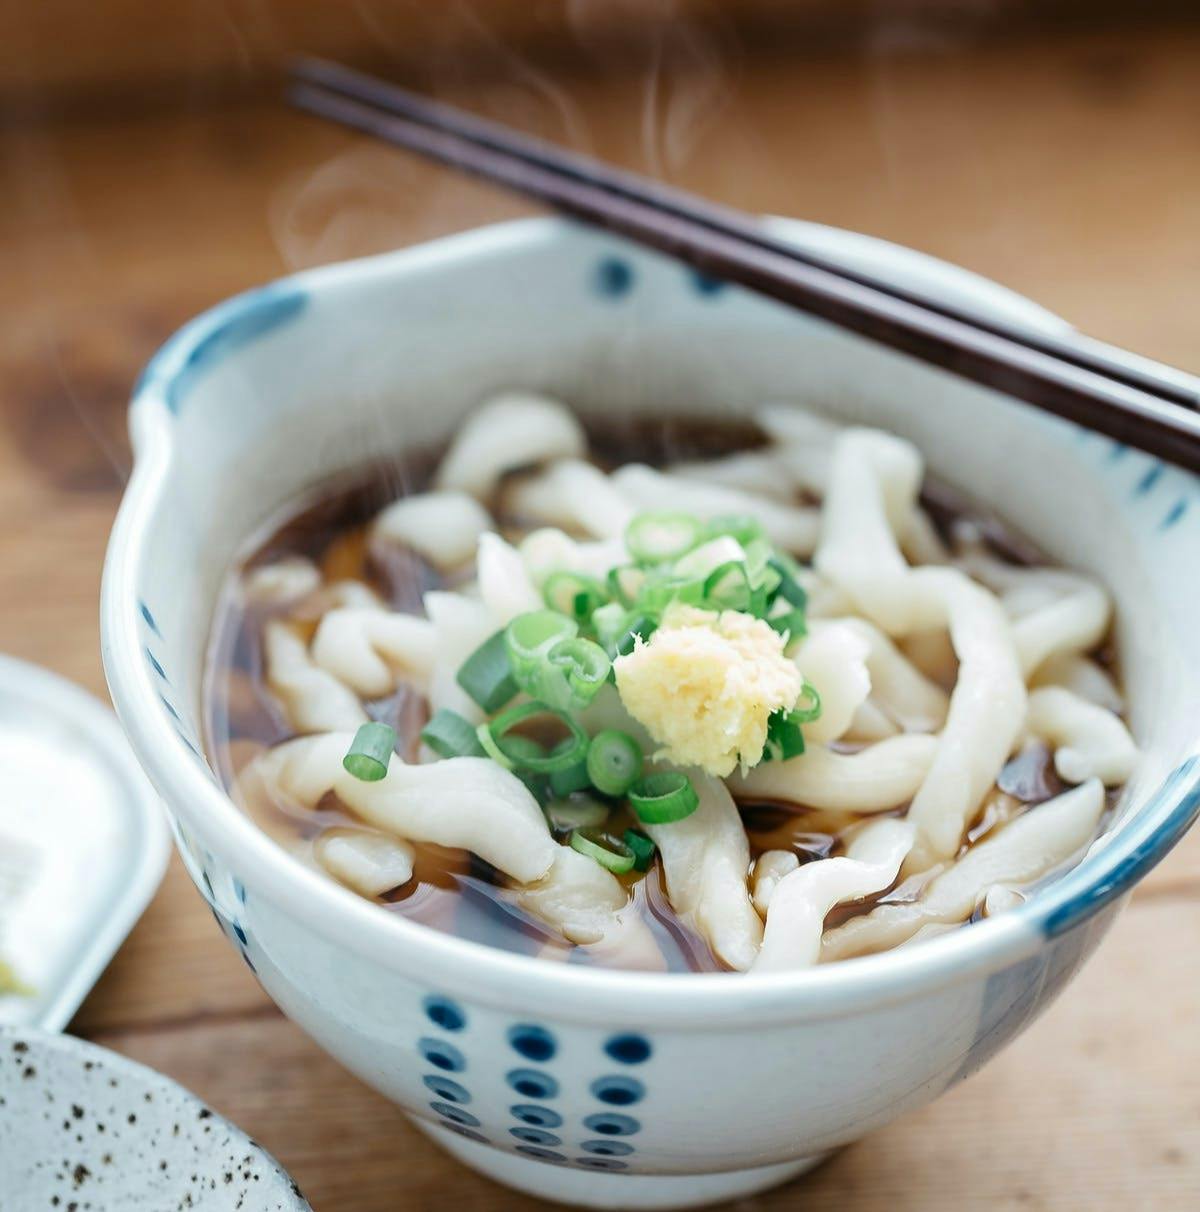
[{"x": 593, "y": 1189}]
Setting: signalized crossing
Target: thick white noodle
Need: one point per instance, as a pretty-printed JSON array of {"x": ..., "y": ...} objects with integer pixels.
[
  {"x": 572, "y": 494},
  {"x": 898, "y": 687},
  {"x": 870, "y": 724},
  {"x": 833, "y": 657},
  {"x": 803, "y": 443},
  {"x": 470, "y": 804},
  {"x": 801, "y": 900},
  {"x": 282, "y": 583},
  {"x": 589, "y": 906},
  {"x": 460, "y": 625},
  {"x": 875, "y": 779},
  {"x": 444, "y": 527},
  {"x": 511, "y": 431},
  {"x": 1028, "y": 848},
  {"x": 769, "y": 868},
  {"x": 549, "y": 550},
  {"x": 504, "y": 583},
  {"x": 1054, "y": 612},
  {"x": 872, "y": 491},
  {"x": 1082, "y": 676},
  {"x": 312, "y": 698},
  {"x": 370, "y": 650},
  {"x": 761, "y": 472},
  {"x": 920, "y": 540},
  {"x": 792, "y": 527},
  {"x": 370, "y": 863},
  {"x": 1088, "y": 741},
  {"x": 706, "y": 862},
  {"x": 467, "y": 803}
]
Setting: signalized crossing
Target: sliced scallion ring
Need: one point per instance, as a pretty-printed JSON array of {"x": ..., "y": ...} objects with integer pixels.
[
  {"x": 609, "y": 852},
  {"x": 573, "y": 594},
  {"x": 614, "y": 762},
  {"x": 624, "y": 583},
  {"x": 791, "y": 623},
  {"x": 784, "y": 738},
  {"x": 659, "y": 538},
  {"x": 643, "y": 848},
  {"x": 370, "y": 751},
  {"x": 728, "y": 588},
  {"x": 487, "y": 676},
  {"x": 449, "y": 735},
  {"x": 571, "y": 779},
  {"x": 529, "y": 640},
  {"x": 742, "y": 527},
  {"x": 585, "y": 665},
  {"x": 639, "y": 627},
  {"x": 808, "y": 706},
  {"x": 789, "y": 587},
  {"x": 662, "y": 797},
  {"x": 521, "y": 751}
]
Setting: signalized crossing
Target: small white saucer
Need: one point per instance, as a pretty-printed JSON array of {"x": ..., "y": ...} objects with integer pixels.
[
  {"x": 83, "y": 842},
  {"x": 81, "y": 1127}
]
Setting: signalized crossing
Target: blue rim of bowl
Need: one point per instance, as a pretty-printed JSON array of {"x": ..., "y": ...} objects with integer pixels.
[{"x": 1101, "y": 878}]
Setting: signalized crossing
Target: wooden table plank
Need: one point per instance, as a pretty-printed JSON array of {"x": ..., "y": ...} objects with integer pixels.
[{"x": 1068, "y": 170}]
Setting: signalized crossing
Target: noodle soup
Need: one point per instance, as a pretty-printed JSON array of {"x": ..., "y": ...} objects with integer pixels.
[{"x": 684, "y": 698}]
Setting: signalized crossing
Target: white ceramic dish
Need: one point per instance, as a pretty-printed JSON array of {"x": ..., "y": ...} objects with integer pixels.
[
  {"x": 83, "y": 841},
  {"x": 83, "y": 1128},
  {"x": 595, "y": 1087}
]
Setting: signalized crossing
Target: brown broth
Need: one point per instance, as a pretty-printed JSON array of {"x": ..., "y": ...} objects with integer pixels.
[{"x": 454, "y": 891}]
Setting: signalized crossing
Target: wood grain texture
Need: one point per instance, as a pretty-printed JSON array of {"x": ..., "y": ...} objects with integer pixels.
[{"x": 1068, "y": 169}]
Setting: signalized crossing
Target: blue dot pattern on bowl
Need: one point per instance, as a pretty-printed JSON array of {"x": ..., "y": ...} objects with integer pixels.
[
  {"x": 706, "y": 284},
  {"x": 628, "y": 1049},
  {"x": 618, "y": 1091},
  {"x": 443, "y": 1087},
  {"x": 444, "y": 1013},
  {"x": 441, "y": 1054},
  {"x": 539, "y": 1117},
  {"x": 607, "y": 1148},
  {"x": 456, "y": 1115},
  {"x": 601, "y": 1163},
  {"x": 609, "y": 1123},
  {"x": 532, "y": 1083},
  {"x": 613, "y": 277},
  {"x": 540, "y": 1153},
  {"x": 533, "y": 1043},
  {"x": 534, "y": 1136}
]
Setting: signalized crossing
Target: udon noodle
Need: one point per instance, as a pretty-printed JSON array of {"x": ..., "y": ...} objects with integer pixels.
[{"x": 754, "y": 704}]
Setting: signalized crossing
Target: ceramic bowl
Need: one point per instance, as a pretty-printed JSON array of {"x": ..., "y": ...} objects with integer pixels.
[
  {"x": 83, "y": 1128},
  {"x": 594, "y": 1087}
]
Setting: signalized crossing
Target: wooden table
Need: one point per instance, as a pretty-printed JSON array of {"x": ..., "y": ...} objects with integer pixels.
[{"x": 1069, "y": 170}]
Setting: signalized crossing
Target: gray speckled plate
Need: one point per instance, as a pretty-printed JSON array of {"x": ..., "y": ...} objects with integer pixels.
[{"x": 85, "y": 1130}]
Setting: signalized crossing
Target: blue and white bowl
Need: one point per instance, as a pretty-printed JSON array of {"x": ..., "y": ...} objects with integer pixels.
[{"x": 594, "y": 1087}]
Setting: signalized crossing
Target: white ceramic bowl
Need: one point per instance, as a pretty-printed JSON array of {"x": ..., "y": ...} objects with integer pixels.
[{"x": 589, "y": 1086}]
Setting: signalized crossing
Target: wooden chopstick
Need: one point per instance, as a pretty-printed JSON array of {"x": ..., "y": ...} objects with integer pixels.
[
  {"x": 1006, "y": 361},
  {"x": 1070, "y": 347}
]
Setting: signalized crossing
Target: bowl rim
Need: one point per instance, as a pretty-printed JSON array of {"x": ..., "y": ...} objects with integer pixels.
[{"x": 486, "y": 974}]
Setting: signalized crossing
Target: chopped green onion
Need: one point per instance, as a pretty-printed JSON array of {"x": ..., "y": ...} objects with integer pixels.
[
  {"x": 784, "y": 738},
  {"x": 573, "y": 594},
  {"x": 792, "y": 623},
  {"x": 450, "y": 736},
  {"x": 530, "y": 640},
  {"x": 789, "y": 587},
  {"x": 658, "y": 538},
  {"x": 609, "y": 852},
  {"x": 708, "y": 557},
  {"x": 572, "y": 778},
  {"x": 812, "y": 710},
  {"x": 586, "y": 667},
  {"x": 487, "y": 676},
  {"x": 516, "y": 750},
  {"x": 643, "y": 849},
  {"x": 659, "y": 593},
  {"x": 641, "y": 627},
  {"x": 614, "y": 762},
  {"x": 662, "y": 797},
  {"x": 576, "y": 812},
  {"x": 728, "y": 587},
  {"x": 742, "y": 527},
  {"x": 370, "y": 751},
  {"x": 625, "y": 582}
]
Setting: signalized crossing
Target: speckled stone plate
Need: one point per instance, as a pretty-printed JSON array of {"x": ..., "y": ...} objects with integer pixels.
[{"x": 85, "y": 1130}]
